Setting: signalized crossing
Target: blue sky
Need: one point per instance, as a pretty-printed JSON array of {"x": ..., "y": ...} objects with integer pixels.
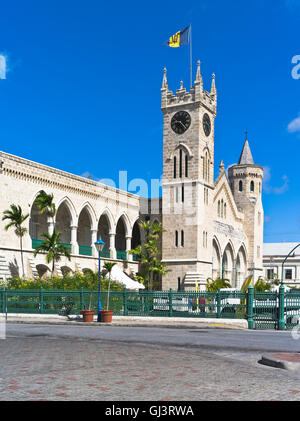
[{"x": 82, "y": 87}]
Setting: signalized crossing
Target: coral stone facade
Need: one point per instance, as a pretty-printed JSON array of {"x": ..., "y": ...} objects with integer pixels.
[
  {"x": 85, "y": 210},
  {"x": 213, "y": 227}
]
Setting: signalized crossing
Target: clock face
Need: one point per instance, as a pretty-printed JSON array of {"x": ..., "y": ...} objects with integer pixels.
[
  {"x": 180, "y": 122},
  {"x": 206, "y": 124}
]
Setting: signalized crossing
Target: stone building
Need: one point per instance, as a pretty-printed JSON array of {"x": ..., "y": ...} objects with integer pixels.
[
  {"x": 86, "y": 209},
  {"x": 273, "y": 256},
  {"x": 213, "y": 227}
]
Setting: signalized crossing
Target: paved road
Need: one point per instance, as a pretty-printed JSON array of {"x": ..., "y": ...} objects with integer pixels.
[{"x": 51, "y": 362}]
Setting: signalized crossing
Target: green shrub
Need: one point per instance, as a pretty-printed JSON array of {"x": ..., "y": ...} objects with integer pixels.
[{"x": 73, "y": 282}]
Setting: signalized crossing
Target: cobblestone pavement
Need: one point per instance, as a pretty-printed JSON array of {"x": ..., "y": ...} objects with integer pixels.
[{"x": 45, "y": 368}]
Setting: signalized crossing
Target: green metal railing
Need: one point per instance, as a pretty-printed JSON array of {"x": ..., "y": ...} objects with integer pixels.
[
  {"x": 261, "y": 309},
  {"x": 122, "y": 255},
  {"x": 36, "y": 243},
  {"x": 127, "y": 302},
  {"x": 105, "y": 253},
  {"x": 85, "y": 250}
]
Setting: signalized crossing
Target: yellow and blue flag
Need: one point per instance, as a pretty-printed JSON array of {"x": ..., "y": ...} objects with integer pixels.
[{"x": 180, "y": 38}]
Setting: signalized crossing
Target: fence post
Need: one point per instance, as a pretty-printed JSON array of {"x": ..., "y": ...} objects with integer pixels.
[
  {"x": 250, "y": 306},
  {"x": 41, "y": 300},
  {"x": 281, "y": 323},
  {"x": 170, "y": 303},
  {"x": 219, "y": 304},
  {"x": 82, "y": 299},
  {"x": 125, "y": 302},
  {"x": 3, "y": 299}
]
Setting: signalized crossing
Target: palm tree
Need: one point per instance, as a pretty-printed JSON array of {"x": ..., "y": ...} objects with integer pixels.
[
  {"x": 108, "y": 266},
  {"x": 54, "y": 249},
  {"x": 16, "y": 218},
  {"x": 44, "y": 202}
]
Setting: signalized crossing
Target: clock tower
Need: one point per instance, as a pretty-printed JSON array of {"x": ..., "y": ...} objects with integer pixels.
[{"x": 188, "y": 181}]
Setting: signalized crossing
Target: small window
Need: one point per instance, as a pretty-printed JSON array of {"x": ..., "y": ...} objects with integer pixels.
[
  {"x": 270, "y": 273},
  {"x": 174, "y": 168},
  {"x": 178, "y": 284},
  {"x": 225, "y": 210},
  {"x": 180, "y": 163},
  {"x": 288, "y": 273},
  {"x": 186, "y": 166},
  {"x": 252, "y": 186},
  {"x": 176, "y": 194},
  {"x": 182, "y": 193},
  {"x": 240, "y": 185},
  {"x": 176, "y": 238},
  {"x": 182, "y": 239}
]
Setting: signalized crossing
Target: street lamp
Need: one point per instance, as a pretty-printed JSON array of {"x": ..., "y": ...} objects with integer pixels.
[{"x": 99, "y": 246}]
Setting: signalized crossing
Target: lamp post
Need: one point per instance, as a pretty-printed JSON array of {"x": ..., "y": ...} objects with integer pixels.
[
  {"x": 285, "y": 259},
  {"x": 99, "y": 246}
]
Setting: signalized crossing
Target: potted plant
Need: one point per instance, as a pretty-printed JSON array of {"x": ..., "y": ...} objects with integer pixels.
[
  {"x": 106, "y": 315},
  {"x": 88, "y": 314}
]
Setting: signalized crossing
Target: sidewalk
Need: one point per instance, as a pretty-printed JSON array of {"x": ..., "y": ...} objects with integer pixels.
[{"x": 171, "y": 322}]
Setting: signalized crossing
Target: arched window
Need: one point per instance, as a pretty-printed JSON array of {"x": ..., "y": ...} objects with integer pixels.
[
  {"x": 224, "y": 210},
  {"x": 180, "y": 163},
  {"x": 222, "y": 206},
  {"x": 174, "y": 167},
  {"x": 252, "y": 186},
  {"x": 186, "y": 165},
  {"x": 176, "y": 238},
  {"x": 182, "y": 239},
  {"x": 240, "y": 185}
]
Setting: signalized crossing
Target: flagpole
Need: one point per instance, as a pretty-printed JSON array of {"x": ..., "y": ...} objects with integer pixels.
[{"x": 191, "y": 72}]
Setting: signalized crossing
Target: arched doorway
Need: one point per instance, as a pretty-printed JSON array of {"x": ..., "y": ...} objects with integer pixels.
[
  {"x": 84, "y": 233},
  {"x": 227, "y": 263},
  {"x": 63, "y": 224},
  {"x": 38, "y": 225},
  {"x": 104, "y": 228},
  {"x": 241, "y": 267},
  {"x": 136, "y": 238},
  {"x": 121, "y": 233},
  {"x": 216, "y": 261}
]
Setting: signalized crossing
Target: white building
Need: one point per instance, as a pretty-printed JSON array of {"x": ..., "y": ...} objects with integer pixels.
[{"x": 273, "y": 256}]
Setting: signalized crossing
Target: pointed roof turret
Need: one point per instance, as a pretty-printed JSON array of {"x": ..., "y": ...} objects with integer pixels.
[{"x": 246, "y": 155}]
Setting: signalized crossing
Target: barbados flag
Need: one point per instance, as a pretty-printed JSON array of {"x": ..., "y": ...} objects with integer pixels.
[{"x": 180, "y": 38}]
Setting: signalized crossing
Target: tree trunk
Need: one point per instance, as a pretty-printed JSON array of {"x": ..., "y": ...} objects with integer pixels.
[{"x": 21, "y": 247}]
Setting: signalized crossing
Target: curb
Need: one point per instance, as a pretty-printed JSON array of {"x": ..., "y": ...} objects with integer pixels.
[
  {"x": 132, "y": 321},
  {"x": 284, "y": 360}
]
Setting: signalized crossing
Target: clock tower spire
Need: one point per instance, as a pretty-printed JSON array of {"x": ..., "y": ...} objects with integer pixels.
[{"x": 188, "y": 179}]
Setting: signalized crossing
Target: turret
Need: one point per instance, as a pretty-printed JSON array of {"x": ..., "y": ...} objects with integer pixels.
[{"x": 245, "y": 180}]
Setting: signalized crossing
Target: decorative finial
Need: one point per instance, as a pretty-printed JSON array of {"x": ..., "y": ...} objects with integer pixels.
[
  {"x": 181, "y": 84},
  {"x": 198, "y": 75},
  {"x": 221, "y": 167},
  {"x": 165, "y": 82},
  {"x": 213, "y": 85},
  {"x": 246, "y": 134}
]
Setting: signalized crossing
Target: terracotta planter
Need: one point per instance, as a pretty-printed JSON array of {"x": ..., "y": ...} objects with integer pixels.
[
  {"x": 88, "y": 315},
  {"x": 106, "y": 316}
]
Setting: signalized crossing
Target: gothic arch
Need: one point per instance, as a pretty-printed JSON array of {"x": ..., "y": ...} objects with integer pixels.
[
  {"x": 228, "y": 261},
  {"x": 241, "y": 266},
  {"x": 68, "y": 203},
  {"x": 186, "y": 149},
  {"x": 216, "y": 258},
  {"x": 91, "y": 213},
  {"x": 127, "y": 224},
  {"x": 111, "y": 222}
]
